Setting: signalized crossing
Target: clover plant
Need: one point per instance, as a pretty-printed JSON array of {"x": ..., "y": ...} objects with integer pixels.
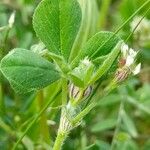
[{"x": 81, "y": 70}]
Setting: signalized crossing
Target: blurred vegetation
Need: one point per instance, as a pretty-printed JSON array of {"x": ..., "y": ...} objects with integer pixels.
[{"x": 97, "y": 130}]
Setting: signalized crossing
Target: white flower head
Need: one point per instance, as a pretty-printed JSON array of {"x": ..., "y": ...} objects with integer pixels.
[
  {"x": 128, "y": 62},
  {"x": 128, "y": 54}
]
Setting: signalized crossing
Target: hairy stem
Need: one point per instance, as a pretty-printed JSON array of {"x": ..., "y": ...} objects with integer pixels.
[
  {"x": 61, "y": 136},
  {"x": 64, "y": 123},
  {"x": 64, "y": 129}
]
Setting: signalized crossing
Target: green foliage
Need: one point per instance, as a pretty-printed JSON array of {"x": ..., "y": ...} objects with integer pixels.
[
  {"x": 55, "y": 26},
  {"x": 27, "y": 71},
  {"x": 59, "y": 34},
  {"x": 129, "y": 124},
  {"x": 95, "y": 46}
]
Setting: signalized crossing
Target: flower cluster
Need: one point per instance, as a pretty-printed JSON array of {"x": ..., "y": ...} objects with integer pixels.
[
  {"x": 142, "y": 33},
  {"x": 127, "y": 63}
]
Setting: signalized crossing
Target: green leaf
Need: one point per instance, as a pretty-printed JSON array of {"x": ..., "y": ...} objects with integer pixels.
[
  {"x": 76, "y": 80},
  {"x": 109, "y": 100},
  {"x": 98, "y": 145},
  {"x": 57, "y": 23},
  {"x": 104, "y": 125},
  {"x": 99, "y": 60},
  {"x": 27, "y": 71},
  {"x": 102, "y": 145},
  {"x": 95, "y": 47},
  {"x": 129, "y": 124},
  {"x": 128, "y": 144},
  {"x": 127, "y": 8},
  {"x": 107, "y": 63}
]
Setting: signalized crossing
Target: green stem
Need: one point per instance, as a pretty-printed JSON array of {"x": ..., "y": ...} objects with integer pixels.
[
  {"x": 80, "y": 116},
  {"x": 121, "y": 108},
  {"x": 103, "y": 13},
  {"x": 43, "y": 121},
  {"x": 4, "y": 126},
  {"x": 61, "y": 136},
  {"x": 36, "y": 118}
]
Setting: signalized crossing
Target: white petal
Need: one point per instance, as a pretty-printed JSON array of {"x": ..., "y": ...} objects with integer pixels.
[
  {"x": 129, "y": 61},
  {"x": 132, "y": 53},
  {"x": 137, "y": 69},
  {"x": 124, "y": 49}
]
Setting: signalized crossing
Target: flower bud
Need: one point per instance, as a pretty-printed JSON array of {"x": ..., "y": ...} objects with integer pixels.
[
  {"x": 77, "y": 93},
  {"x": 122, "y": 74},
  {"x": 82, "y": 74}
]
